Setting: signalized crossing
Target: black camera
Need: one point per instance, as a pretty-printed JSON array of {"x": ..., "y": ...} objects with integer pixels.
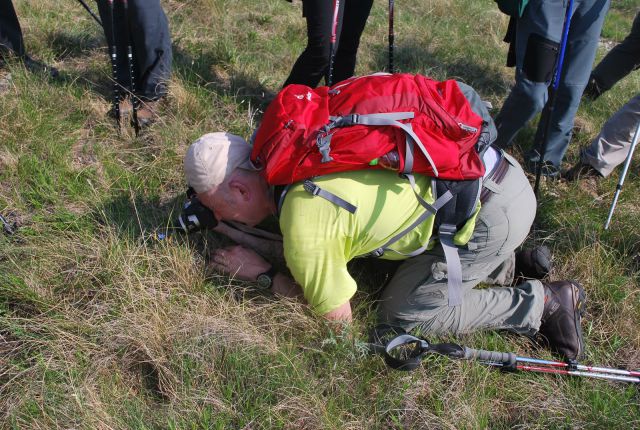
[{"x": 195, "y": 216}]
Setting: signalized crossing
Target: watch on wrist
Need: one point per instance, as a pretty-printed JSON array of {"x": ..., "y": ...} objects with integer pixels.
[{"x": 265, "y": 280}]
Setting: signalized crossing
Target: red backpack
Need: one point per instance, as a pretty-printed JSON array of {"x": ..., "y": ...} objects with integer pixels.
[
  {"x": 307, "y": 132},
  {"x": 429, "y": 126}
]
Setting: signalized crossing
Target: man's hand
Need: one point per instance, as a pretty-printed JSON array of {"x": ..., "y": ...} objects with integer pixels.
[
  {"x": 341, "y": 313},
  {"x": 272, "y": 249},
  {"x": 239, "y": 262}
]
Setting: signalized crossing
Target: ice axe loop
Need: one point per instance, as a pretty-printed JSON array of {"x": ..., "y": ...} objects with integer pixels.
[{"x": 405, "y": 352}]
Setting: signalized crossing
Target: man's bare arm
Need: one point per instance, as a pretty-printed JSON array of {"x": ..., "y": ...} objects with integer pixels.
[
  {"x": 270, "y": 249},
  {"x": 246, "y": 264}
]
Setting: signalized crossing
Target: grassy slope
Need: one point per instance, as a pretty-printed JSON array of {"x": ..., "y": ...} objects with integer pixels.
[{"x": 103, "y": 327}]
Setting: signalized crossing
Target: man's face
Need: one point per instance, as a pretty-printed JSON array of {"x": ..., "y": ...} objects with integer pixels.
[
  {"x": 221, "y": 206},
  {"x": 238, "y": 201}
]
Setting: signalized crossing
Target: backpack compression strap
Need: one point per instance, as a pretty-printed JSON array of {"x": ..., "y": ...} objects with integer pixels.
[
  {"x": 315, "y": 190},
  {"x": 373, "y": 119}
]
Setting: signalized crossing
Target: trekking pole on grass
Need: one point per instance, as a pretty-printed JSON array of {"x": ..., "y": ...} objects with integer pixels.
[
  {"x": 132, "y": 78},
  {"x": 6, "y": 226},
  {"x": 553, "y": 90},
  {"x": 88, "y": 9},
  {"x": 332, "y": 41},
  {"x": 623, "y": 175},
  {"x": 404, "y": 352},
  {"x": 113, "y": 54},
  {"x": 392, "y": 36}
]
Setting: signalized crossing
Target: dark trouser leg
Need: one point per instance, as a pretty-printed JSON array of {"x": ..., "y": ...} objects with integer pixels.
[
  {"x": 10, "y": 32},
  {"x": 313, "y": 63},
  {"x": 151, "y": 44},
  {"x": 356, "y": 13},
  {"x": 537, "y": 31},
  {"x": 152, "y": 48},
  {"x": 621, "y": 60}
]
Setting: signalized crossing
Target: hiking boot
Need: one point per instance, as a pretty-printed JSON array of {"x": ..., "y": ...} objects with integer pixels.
[
  {"x": 35, "y": 66},
  {"x": 125, "y": 109},
  {"x": 533, "y": 263},
  {"x": 147, "y": 112},
  {"x": 581, "y": 171},
  {"x": 564, "y": 303},
  {"x": 549, "y": 170},
  {"x": 593, "y": 89}
]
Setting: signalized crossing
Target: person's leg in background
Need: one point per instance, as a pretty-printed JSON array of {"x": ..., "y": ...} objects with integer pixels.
[
  {"x": 356, "y": 13},
  {"x": 12, "y": 43},
  {"x": 10, "y": 31},
  {"x": 618, "y": 63},
  {"x": 312, "y": 65},
  {"x": 611, "y": 147},
  {"x": 538, "y": 34},
  {"x": 152, "y": 48},
  {"x": 584, "y": 34},
  {"x": 151, "y": 43}
]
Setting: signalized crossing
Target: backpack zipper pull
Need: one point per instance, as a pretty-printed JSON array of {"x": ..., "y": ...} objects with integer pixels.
[
  {"x": 467, "y": 128},
  {"x": 324, "y": 146}
]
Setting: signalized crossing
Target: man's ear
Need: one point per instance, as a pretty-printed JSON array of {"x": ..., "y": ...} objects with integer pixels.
[{"x": 240, "y": 190}]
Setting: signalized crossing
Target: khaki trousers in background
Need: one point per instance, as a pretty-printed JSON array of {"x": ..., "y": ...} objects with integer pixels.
[
  {"x": 611, "y": 147},
  {"x": 417, "y": 295}
]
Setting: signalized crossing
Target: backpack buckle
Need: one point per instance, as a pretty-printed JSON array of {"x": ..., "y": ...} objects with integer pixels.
[
  {"x": 447, "y": 229},
  {"x": 310, "y": 187},
  {"x": 345, "y": 120}
]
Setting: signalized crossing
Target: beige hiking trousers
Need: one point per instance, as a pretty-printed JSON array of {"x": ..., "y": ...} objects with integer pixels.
[{"x": 417, "y": 295}]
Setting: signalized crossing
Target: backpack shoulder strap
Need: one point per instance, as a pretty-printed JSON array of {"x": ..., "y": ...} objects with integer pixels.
[
  {"x": 430, "y": 210},
  {"x": 310, "y": 187},
  {"x": 448, "y": 220}
]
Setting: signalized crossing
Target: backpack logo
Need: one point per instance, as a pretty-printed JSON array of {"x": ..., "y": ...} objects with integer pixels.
[{"x": 302, "y": 96}]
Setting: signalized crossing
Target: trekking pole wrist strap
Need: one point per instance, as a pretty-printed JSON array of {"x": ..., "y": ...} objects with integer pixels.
[{"x": 421, "y": 347}]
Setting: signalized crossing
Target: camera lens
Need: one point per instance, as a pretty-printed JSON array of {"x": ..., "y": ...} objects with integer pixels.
[{"x": 195, "y": 216}]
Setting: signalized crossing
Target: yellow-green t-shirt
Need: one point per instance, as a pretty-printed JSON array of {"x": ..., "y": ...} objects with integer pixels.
[{"x": 320, "y": 237}]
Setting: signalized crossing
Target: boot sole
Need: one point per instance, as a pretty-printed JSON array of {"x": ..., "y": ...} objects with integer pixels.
[{"x": 578, "y": 313}]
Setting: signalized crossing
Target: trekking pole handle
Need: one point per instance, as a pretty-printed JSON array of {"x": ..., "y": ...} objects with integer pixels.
[{"x": 507, "y": 360}]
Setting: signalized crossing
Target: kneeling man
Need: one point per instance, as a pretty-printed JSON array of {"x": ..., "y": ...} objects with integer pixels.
[{"x": 320, "y": 238}]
